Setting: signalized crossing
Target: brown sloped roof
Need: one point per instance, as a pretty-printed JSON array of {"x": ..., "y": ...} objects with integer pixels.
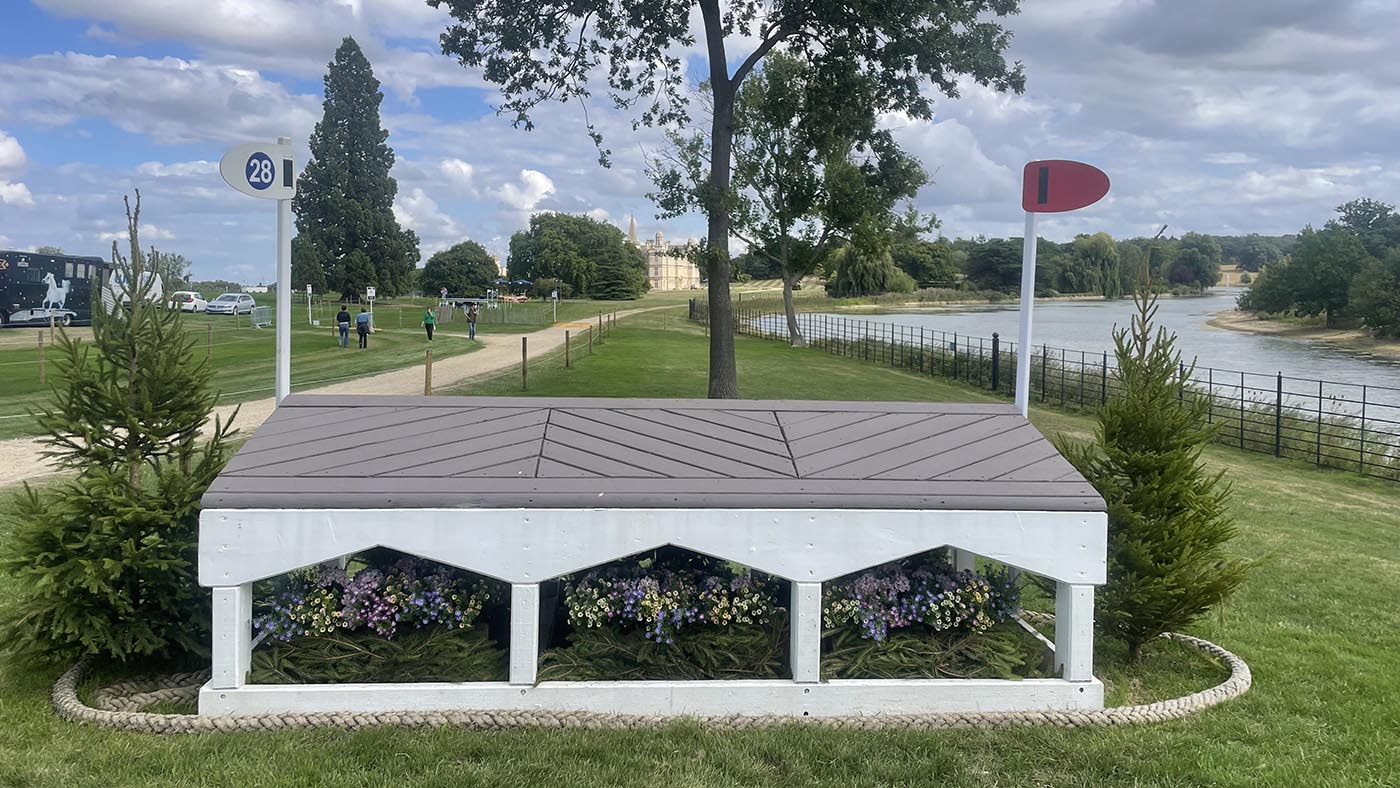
[{"x": 341, "y": 452}]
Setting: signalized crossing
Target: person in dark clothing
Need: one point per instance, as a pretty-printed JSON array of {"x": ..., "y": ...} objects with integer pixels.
[
  {"x": 471, "y": 321},
  {"x": 342, "y": 321},
  {"x": 362, "y": 326}
]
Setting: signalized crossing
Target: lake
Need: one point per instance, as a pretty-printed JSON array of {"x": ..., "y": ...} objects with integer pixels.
[{"x": 1088, "y": 326}]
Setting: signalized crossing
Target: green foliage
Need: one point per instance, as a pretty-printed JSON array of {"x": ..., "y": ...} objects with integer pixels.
[
  {"x": 106, "y": 562},
  {"x": 309, "y": 263},
  {"x": 544, "y": 288},
  {"x": 852, "y": 272},
  {"x": 345, "y": 196},
  {"x": 466, "y": 269},
  {"x": 428, "y": 654},
  {"x": 1375, "y": 294},
  {"x": 737, "y": 651},
  {"x": 1099, "y": 254},
  {"x": 1320, "y": 271},
  {"x": 48, "y": 250},
  {"x": 173, "y": 269},
  {"x": 1197, "y": 262},
  {"x": 994, "y": 264},
  {"x": 1374, "y": 223},
  {"x": 1168, "y": 517},
  {"x": 1003, "y": 652},
  {"x": 592, "y": 257}
]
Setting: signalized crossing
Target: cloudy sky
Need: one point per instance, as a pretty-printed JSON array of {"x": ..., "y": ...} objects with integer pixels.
[{"x": 1221, "y": 117}]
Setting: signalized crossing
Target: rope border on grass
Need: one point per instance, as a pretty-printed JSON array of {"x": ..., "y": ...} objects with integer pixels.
[{"x": 119, "y": 706}]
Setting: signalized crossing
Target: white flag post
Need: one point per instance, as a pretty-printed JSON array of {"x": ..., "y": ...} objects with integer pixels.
[{"x": 1051, "y": 186}]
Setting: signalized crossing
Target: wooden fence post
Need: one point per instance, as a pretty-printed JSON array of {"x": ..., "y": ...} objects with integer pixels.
[
  {"x": 600, "y": 328},
  {"x": 590, "y": 340},
  {"x": 524, "y": 356},
  {"x": 566, "y": 350},
  {"x": 428, "y": 375},
  {"x": 41, "y": 358},
  {"x": 50, "y": 326},
  {"x": 208, "y": 341}
]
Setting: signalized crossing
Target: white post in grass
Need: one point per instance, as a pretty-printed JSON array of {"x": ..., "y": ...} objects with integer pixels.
[
  {"x": 284, "y": 291},
  {"x": 233, "y": 636},
  {"x": 1074, "y": 631}
]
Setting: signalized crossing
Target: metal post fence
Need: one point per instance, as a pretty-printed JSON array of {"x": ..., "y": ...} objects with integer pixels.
[{"x": 1354, "y": 432}]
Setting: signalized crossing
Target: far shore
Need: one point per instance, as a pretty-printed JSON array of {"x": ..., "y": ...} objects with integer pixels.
[{"x": 1351, "y": 339}]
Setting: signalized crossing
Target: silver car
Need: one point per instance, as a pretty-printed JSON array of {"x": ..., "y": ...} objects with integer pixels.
[{"x": 232, "y": 304}]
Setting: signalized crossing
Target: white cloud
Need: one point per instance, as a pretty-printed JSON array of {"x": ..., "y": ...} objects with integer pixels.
[
  {"x": 177, "y": 169},
  {"x": 147, "y": 233},
  {"x": 459, "y": 173},
  {"x": 169, "y": 100},
  {"x": 420, "y": 213},
  {"x": 533, "y": 187},
  {"x": 599, "y": 214},
  {"x": 16, "y": 194},
  {"x": 12, "y": 158}
]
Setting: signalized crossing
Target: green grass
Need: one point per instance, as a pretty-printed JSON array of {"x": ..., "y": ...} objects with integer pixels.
[
  {"x": 242, "y": 360},
  {"x": 1316, "y": 620}
]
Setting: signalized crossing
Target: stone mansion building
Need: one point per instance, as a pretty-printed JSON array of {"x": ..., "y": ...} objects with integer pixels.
[{"x": 668, "y": 267}]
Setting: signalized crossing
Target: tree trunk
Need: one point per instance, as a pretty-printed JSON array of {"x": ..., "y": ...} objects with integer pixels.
[
  {"x": 724, "y": 377},
  {"x": 794, "y": 332}
]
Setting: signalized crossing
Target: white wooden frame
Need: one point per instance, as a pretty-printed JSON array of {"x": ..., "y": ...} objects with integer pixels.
[{"x": 526, "y": 547}]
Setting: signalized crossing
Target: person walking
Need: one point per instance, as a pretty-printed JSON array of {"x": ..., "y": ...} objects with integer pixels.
[
  {"x": 342, "y": 322},
  {"x": 362, "y": 327},
  {"x": 472, "y": 313},
  {"x": 428, "y": 320}
]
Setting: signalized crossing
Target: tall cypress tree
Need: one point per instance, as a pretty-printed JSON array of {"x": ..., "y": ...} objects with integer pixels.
[{"x": 345, "y": 196}]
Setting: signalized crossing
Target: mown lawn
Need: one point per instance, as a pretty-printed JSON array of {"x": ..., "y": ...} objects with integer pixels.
[
  {"x": 1317, "y": 622},
  {"x": 242, "y": 359}
]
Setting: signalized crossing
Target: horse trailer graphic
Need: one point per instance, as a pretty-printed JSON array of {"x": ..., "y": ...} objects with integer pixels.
[{"x": 37, "y": 287}]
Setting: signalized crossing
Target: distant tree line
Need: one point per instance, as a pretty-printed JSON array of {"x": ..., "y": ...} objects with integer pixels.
[
  {"x": 591, "y": 258},
  {"x": 1348, "y": 271}
]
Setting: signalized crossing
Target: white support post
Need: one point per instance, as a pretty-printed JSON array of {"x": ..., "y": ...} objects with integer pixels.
[
  {"x": 233, "y": 636},
  {"x": 805, "y": 633},
  {"x": 524, "y": 632},
  {"x": 964, "y": 560},
  {"x": 1074, "y": 631},
  {"x": 1023, "y": 344}
]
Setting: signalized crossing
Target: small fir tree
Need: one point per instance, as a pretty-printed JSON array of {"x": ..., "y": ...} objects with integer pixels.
[
  {"x": 106, "y": 562},
  {"x": 1168, "y": 523}
]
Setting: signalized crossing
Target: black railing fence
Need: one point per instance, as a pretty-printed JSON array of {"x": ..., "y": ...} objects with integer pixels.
[{"x": 1333, "y": 424}]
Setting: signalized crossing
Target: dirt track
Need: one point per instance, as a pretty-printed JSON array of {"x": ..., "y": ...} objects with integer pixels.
[{"x": 498, "y": 352}]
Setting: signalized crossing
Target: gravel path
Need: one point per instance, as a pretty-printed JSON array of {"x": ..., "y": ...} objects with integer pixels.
[{"x": 498, "y": 352}]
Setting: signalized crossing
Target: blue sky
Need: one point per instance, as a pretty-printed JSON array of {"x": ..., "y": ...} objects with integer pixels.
[{"x": 1251, "y": 116}]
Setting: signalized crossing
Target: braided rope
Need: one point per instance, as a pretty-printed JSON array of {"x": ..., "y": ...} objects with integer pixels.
[{"x": 119, "y": 706}]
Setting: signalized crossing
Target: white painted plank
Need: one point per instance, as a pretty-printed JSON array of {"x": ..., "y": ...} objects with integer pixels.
[
  {"x": 1074, "y": 631},
  {"x": 232, "y": 646},
  {"x": 805, "y": 632},
  {"x": 524, "y": 632}
]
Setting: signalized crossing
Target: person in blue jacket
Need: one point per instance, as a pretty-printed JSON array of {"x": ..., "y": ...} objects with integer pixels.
[{"x": 362, "y": 327}]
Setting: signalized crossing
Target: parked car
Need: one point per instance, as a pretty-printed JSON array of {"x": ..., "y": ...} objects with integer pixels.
[
  {"x": 231, "y": 304},
  {"x": 187, "y": 301}
]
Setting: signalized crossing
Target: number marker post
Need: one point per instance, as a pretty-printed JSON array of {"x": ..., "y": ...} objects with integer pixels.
[
  {"x": 1051, "y": 186},
  {"x": 266, "y": 171}
]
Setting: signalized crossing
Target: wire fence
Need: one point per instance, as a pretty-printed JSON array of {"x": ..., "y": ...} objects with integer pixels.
[{"x": 1348, "y": 426}]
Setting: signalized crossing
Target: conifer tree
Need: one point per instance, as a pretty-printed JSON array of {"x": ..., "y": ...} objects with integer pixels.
[
  {"x": 1168, "y": 522},
  {"x": 105, "y": 563},
  {"x": 345, "y": 196}
]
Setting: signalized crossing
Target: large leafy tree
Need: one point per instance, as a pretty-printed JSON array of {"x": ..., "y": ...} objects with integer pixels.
[
  {"x": 1321, "y": 271},
  {"x": 1197, "y": 261},
  {"x": 809, "y": 165},
  {"x": 309, "y": 261},
  {"x": 592, "y": 257},
  {"x": 1097, "y": 255},
  {"x": 465, "y": 270},
  {"x": 548, "y": 50},
  {"x": 345, "y": 196},
  {"x": 1375, "y": 294},
  {"x": 1375, "y": 224}
]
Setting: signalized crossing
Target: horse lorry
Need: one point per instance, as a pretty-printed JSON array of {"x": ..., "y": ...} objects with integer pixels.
[{"x": 36, "y": 288}]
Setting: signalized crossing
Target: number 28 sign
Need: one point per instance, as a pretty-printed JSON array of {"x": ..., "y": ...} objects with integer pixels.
[{"x": 260, "y": 170}]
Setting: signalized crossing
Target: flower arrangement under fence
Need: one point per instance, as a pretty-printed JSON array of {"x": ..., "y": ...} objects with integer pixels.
[
  {"x": 663, "y": 600},
  {"x": 897, "y": 596},
  {"x": 409, "y": 593}
]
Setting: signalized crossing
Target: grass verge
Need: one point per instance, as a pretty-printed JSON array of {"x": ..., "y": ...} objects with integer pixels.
[{"x": 1316, "y": 621}]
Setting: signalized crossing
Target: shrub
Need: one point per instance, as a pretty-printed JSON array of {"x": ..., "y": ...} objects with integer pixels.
[
  {"x": 105, "y": 563},
  {"x": 1167, "y": 520}
]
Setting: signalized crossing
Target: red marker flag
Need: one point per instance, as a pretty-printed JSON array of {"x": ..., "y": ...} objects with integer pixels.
[{"x": 1056, "y": 185}]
